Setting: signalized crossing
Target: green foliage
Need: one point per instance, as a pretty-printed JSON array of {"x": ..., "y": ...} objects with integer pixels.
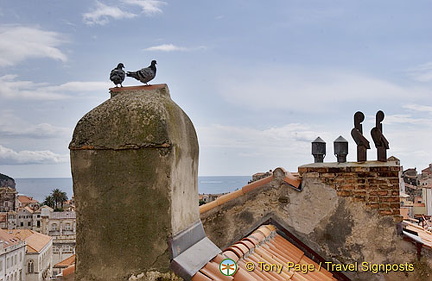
[{"x": 56, "y": 199}]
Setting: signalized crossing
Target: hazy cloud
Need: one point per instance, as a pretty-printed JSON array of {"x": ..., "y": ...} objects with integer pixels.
[
  {"x": 13, "y": 88},
  {"x": 42, "y": 130},
  {"x": 11, "y": 157},
  {"x": 249, "y": 137},
  {"x": 19, "y": 43},
  {"x": 308, "y": 91},
  {"x": 420, "y": 108},
  {"x": 422, "y": 73}
]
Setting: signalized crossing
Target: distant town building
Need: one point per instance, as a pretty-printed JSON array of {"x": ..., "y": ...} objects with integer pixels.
[
  {"x": 418, "y": 190},
  {"x": 12, "y": 257},
  {"x": 7, "y": 199},
  {"x": 62, "y": 227},
  {"x": 38, "y": 257},
  {"x": 26, "y": 201},
  {"x": 24, "y": 218}
]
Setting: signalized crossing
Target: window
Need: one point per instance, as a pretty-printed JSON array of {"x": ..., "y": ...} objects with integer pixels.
[
  {"x": 68, "y": 226},
  {"x": 54, "y": 227},
  {"x": 30, "y": 266},
  {"x": 68, "y": 249},
  {"x": 55, "y": 250},
  {"x": 38, "y": 223},
  {"x": 29, "y": 223}
]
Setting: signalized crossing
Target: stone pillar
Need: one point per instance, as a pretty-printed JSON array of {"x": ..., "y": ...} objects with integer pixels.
[{"x": 134, "y": 165}]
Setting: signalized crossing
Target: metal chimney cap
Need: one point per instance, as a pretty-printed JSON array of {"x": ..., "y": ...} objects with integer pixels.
[
  {"x": 340, "y": 139},
  {"x": 318, "y": 140}
]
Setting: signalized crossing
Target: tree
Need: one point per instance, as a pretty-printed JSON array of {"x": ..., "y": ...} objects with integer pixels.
[
  {"x": 49, "y": 201},
  {"x": 56, "y": 199}
]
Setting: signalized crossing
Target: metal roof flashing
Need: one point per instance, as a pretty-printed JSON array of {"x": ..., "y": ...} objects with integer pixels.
[{"x": 191, "y": 250}]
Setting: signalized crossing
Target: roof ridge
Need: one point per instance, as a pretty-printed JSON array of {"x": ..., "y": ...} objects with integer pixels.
[{"x": 279, "y": 173}]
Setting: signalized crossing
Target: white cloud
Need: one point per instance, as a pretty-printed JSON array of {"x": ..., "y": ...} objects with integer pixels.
[
  {"x": 171, "y": 48},
  {"x": 19, "y": 43},
  {"x": 24, "y": 157},
  {"x": 149, "y": 7},
  {"x": 12, "y": 88},
  {"x": 103, "y": 13}
]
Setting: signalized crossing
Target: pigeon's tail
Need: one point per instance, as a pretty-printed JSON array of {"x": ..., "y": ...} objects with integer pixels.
[{"x": 133, "y": 74}]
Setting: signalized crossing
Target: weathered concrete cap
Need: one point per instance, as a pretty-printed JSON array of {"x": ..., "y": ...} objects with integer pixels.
[{"x": 135, "y": 117}]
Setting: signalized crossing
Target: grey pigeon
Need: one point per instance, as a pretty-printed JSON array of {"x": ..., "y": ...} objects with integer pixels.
[
  {"x": 118, "y": 75},
  {"x": 144, "y": 75}
]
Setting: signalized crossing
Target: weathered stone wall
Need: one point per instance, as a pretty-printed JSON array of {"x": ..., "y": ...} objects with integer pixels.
[
  {"x": 341, "y": 227},
  {"x": 134, "y": 164}
]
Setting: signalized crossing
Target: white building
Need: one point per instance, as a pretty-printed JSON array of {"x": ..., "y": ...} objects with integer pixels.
[
  {"x": 38, "y": 258},
  {"x": 24, "y": 218},
  {"x": 12, "y": 257},
  {"x": 62, "y": 227}
]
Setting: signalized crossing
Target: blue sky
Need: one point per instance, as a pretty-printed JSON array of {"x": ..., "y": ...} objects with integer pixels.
[{"x": 259, "y": 79}]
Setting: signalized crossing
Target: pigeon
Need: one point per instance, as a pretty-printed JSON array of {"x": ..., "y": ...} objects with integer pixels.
[
  {"x": 144, "y": 75},
  {"x": 118, "y": 75}
]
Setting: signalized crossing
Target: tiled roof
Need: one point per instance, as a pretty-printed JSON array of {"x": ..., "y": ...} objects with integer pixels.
[
  {"x": 418, "y": 233},
  {"x": 66, "y": 262},
  {"x": 7, "y": 240},
  {"x": 264, "y": 245},
  {"x": 292, "y": 179},
  {"x": 35, "y": 241},
  {"x": 26, "y": 199}
]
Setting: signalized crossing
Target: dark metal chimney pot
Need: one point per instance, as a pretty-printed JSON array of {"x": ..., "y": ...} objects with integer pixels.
[
  {"x": 318, "y": 150},
  {"x": 341, "y": 149}
]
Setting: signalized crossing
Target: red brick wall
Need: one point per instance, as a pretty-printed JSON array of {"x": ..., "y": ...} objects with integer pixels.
[{"x": 375, "y": 183}]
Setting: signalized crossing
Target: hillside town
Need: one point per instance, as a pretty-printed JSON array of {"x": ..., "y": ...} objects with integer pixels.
[{"x": 38, "y": 241}]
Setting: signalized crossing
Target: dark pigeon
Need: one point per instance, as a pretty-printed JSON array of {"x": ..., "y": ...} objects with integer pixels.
[
  {"x": 118, "y": 75},
  {"x": 144, "y": 75}
]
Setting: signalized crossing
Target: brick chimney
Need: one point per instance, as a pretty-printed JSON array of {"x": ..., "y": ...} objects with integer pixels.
[{"x": 373, "y": 182}]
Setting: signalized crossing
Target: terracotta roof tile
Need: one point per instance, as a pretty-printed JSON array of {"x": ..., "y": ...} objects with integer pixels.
[
  {"x": 229, "y": 196},
  {"x": 264, "y": 245},
  {"x": 256, "y": 184},
  {"x": 66, "y": 262},
  {"x": 35, "y": 241},
  {"x": 26, "y": 199}
]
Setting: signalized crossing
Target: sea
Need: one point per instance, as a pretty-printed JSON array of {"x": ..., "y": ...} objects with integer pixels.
[{"x": 39, "y": 188}]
